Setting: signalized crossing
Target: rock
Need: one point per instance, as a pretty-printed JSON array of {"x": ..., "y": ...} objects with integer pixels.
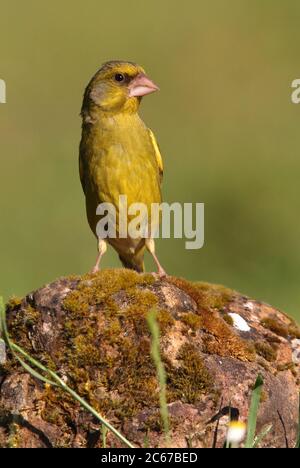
[{"x": 92, "y": 331}]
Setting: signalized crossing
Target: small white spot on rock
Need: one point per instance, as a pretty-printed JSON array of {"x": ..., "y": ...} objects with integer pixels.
[
  {"x": 249, "y": 305},
  {"x": 46, "y": 327},
  {"x": 239, "y": 322}
]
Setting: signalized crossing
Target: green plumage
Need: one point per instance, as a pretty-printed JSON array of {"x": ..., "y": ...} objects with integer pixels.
[{"x": 118, "y": 156}]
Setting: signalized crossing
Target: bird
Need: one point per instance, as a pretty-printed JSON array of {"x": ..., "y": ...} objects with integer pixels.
[{"x": 119, "y": 155}]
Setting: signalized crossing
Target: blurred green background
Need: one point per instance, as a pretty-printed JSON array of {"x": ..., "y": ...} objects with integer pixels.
[{"x": 224, "y": 120}]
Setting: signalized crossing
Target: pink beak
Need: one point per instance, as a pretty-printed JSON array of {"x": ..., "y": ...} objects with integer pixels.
[{"x": 141, "y": 85}]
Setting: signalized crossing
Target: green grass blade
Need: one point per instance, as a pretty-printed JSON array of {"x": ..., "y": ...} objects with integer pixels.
[
  {"x": 161, "y": 374},
  {"x": 259, "y": 438},
  {"x": 56, "y": 380},
  {"x": 104, "y": 431},
  {"x": 3, "y": 328},
  {"x": 253, "y": 411},
  {"x": 31, "y": 371}
]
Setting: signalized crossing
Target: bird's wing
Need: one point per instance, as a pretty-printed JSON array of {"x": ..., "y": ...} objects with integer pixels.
[
  {"x": 81, "y": 172},
  {"x": 157, "y": 154}
]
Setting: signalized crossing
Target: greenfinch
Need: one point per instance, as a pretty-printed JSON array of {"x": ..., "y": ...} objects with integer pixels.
[{"x": 119, "y": 155}]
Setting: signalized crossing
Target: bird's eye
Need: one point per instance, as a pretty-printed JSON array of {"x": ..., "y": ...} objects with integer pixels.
[{"x": 119, "y": 77}]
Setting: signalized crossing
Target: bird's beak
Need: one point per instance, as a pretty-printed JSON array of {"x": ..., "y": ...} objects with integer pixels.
[{"x": 141, "y": 85}]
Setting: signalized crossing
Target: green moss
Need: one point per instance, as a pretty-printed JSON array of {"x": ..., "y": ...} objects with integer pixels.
[
  {"x": 58, "y": 408},
  {"x": 13, "y": 440},
  {"x": 287, "y": 366},
  {"x": 14, "y": 302},
  {"x": 77, "y": 302},
  {"x": 215, "y": 296},
  {"x": 114, "y": 356},
  {"x": 141, "y": 297},
  {"x": 135, "y": 378},
  {"x": 266, "y": 351},
  {"x": 165, "y": 320},
  {"x": 226, "y": 345},
  {"x": 95, "y": 289},
  {"x": 31, "y": 316},
  {"x": 228, "y": 319},
  {"x": 153, "y": 422},
  {"x": 191, "y": 379},
  {"x": 221, "y": 338},
  {"x": 281, "y": 329},
  {"x": 192, "y": 320},
  {"x": 275, "y": 326},
  {"x": 21, "y": 323},
  {"x": 294, "y": 331},
  {"x": 113, "y": 330},
  {"x": 140, "y": 302}
]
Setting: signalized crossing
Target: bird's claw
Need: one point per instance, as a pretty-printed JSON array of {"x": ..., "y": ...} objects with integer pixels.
[{"x": 160, "y": 274}]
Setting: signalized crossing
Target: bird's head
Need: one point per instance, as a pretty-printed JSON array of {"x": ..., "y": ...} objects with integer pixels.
[{"x": 118, "y": 87}]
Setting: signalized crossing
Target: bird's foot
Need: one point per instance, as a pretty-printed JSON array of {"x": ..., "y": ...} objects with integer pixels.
[
  {"x": 95, "y": 269},
  {"x": 160, "y": 274}
]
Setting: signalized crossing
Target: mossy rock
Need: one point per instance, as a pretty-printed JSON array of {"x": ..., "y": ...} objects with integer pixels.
[{"x": 93, "y": 332}]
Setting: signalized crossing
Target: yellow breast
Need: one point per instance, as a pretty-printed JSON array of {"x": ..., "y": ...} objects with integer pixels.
[{"x": 117, "y": 157}]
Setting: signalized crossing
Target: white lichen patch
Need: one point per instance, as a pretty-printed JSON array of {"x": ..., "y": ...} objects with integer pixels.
[
  {"x": 239, "y": 322},
  {"x": 296, "y": 350}
]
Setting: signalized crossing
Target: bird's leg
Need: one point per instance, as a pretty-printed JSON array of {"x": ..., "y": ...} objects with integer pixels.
[
  {"x": 102, "y": 247},
  {"x": 150, "y": 245}
]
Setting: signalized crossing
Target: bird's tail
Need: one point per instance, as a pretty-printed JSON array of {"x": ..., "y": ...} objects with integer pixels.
[{"x": 134, "y": 262}]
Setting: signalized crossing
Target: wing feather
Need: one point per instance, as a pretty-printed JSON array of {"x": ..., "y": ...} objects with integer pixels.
[{"x": 158, "y": 156}]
